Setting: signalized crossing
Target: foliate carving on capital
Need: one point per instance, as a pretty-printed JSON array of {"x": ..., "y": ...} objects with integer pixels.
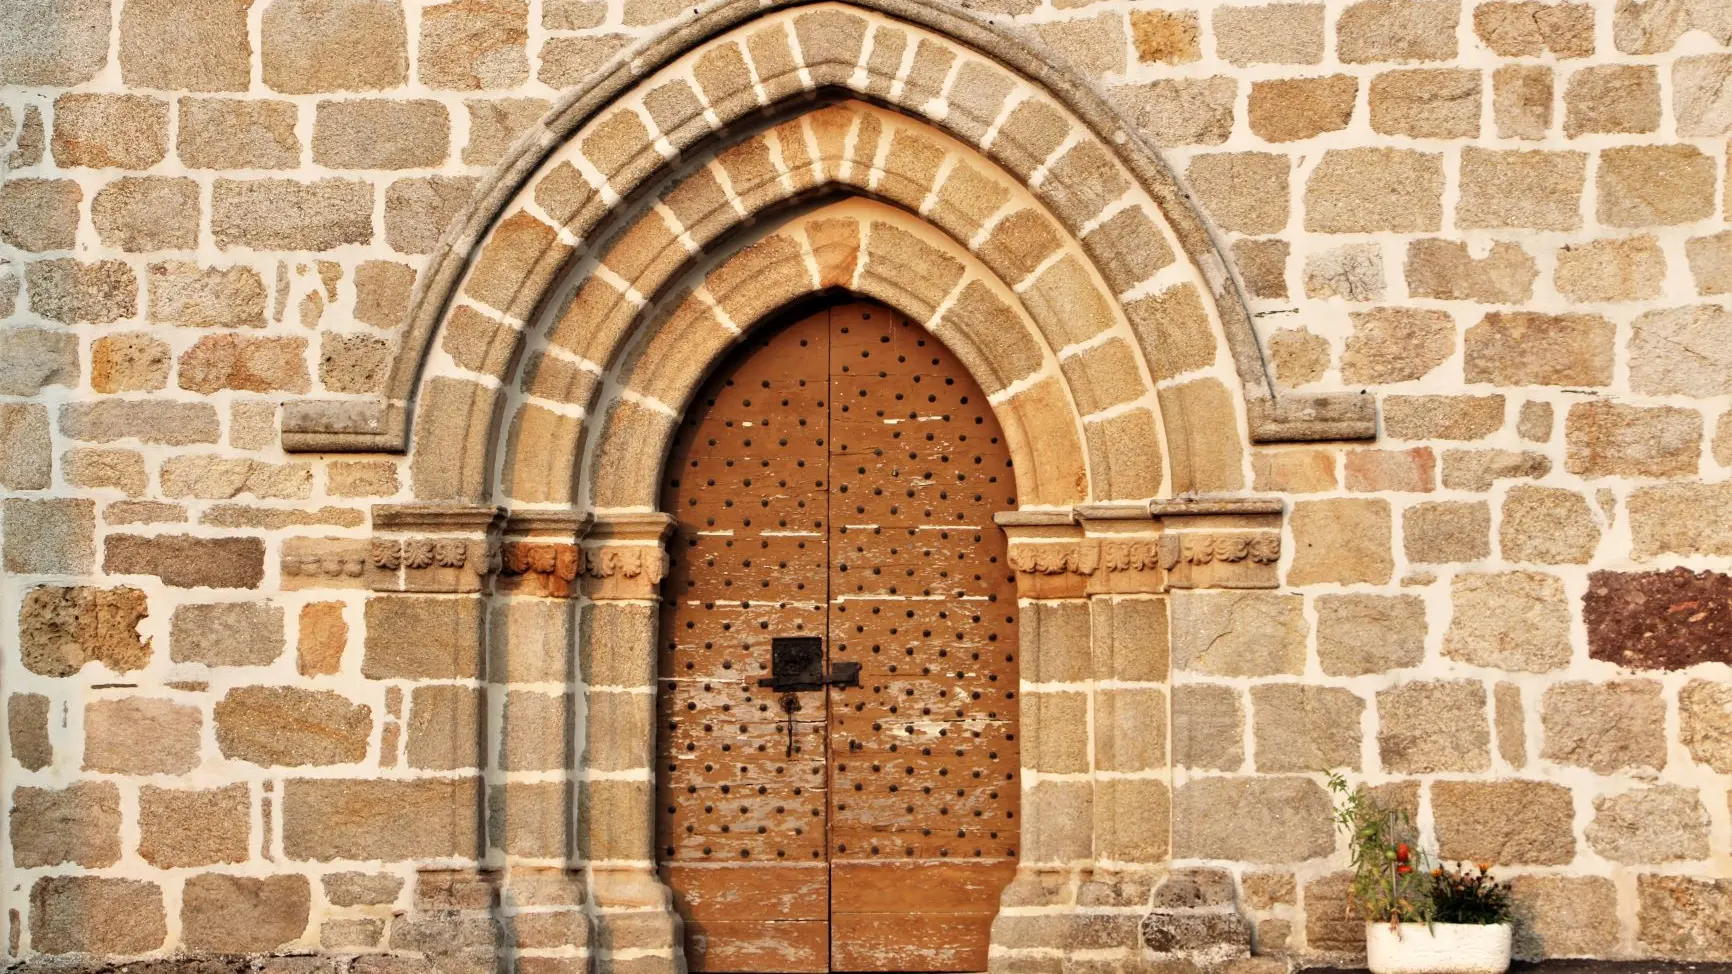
[
  {"x": 638, "y": 562},
  {"x": 1054, "y": 559},
  {"x": 1203, "y": 549},
  {"x": 1129, "y": 556},
  {"x": 387, "y": 554},
  {"x": 432, "y": 564},
  {"x": 1073, "y": 569},
  {"x": 541, "y": 567}
]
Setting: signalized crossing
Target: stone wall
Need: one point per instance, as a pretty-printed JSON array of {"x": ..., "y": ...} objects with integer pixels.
[{"x": 1508, "y": 221}]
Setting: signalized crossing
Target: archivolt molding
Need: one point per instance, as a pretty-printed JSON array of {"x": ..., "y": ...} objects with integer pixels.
[{"x": 929, "y": 61}]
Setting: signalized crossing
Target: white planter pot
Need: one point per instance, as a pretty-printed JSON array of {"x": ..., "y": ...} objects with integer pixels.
[{"x": 1438, "y": 948}]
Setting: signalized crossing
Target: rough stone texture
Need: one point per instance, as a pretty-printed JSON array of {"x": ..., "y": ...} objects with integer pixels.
[
  {"x": 1521, "y": 103},
  {"x": 1682, "y": 518},
  {"x": 79, "y": 824},
  {"x": 102, "y": 131},
  {"x": 1523, "y": 348},
  {"x": 1396, "y": 344},
  {"x": 1665, "y": 620},
  {"x": 1245, "y": 192},
  {"x": 141, "y": 735},
  {"x": 1548, "y": 526},
  {"x": 236, "y": 133},
  {"x": 39, "y": 214},
  {"x": 1372, "y": 190},
  {"x": 1208, "y": 727},
  {"x": 194, "y": 827},
  {"x": 54, "y": 42},
  {"x": 1565, "y": 916},
  {"x": 26, "y": 451},
  {"x": 382, "y": 289},
  {"x": 1682, "y": 352},
  {"x": 1305, "y": 728},
  {"x": 242, "y": 914},
  {"x": 1300, "y": 358},
  {"x": 245, "y": 363},
  {"x": 1607, "y": 439},
  {"x": 1431, "y": 726},
  {"x": 1685, "y": 917},
  {"x": 445, "y": 727},
  {"x": 183, "y": 293},
  {"x": 417, "y": 211},
  {"x": 226, "y": 634},
  {"x": 61, "y": 629},
  {"x": 1447, "y": 270},
  {"x": 1660, "y": 185},
  {"x": 195, "y": 45},
  {"x": 1440, "y": 532},
  {"x": 48, "y": 536},
  {"x": 410, "y": 637},
  {"x": 1511, "y": 823},
  {"x": 1426, "y": 103},
  {"x": 1352, "y": 273},
  {"x": 27, "y": 734},
  {"x": 1611, "y": 98},
  {"x": 1252, "y": 819},
  {"x": 1649, "y": 825},
  {"x": 1618, "y": 269},
  {"x": 1521, "y": 189},
  {"x": 1238, "y": 633},
  {"x": 340, "y": 818},
  {"x": 1606, "y": 727},
  {"x": 282, "y": 214},
  {"x": 1345, "y": 541},
  {"x": 291, "y": 726},
  {"x": 471, "y": 44},
  {"x": 1181, "y": 111},
  {"x": 1275, "y": 33},
  {"x": 1293, "y": 109},
  {"x": 361, "y": 889},
  {"x": 96, "y": 915},
  {"x": 1509, "y": 620},
  {"x": 495, "y": 123},
  {"x": 1705, "y": 711},
  {"x": 570, "y": 61},
  {"x": 1527, "y": 28},
  {"x": 185, "y": 561},
  {"x": 307, "y": 46},
  {"x": 1167, "y": 38},
  {"x": 1359, "y": 634},
  {"x": 382, "y": 133},
  {"x": 1397, "y": 30},
  {"x": 33, "y": 358},
  {"x": 74, "y": 292},
  {"x": 1711, "y": 262},
  {"x": 1413, "y": 470}
]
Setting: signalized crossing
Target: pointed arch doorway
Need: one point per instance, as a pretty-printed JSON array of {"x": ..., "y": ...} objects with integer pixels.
[{"x": 837, "y": 763}]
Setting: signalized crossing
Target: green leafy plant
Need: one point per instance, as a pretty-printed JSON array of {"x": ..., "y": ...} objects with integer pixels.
[
  {"x": 1390, "y": 882},
  {"x": 1462, "y": 895}
]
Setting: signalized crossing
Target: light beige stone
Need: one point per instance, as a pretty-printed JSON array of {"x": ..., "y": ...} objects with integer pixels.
[
  {"x": 1607, "y": 439},
  {"x": 1618, "y": 269},
  {"x": 1509, "y": 720},
  {"x": 1521, "y": 101},
  {"x": 1396, "y": 344},
  {"x": 1607, "y": 98},
  {"x": 1654, "y": 185},
  {"x": 1548, "y": 526},
  {"x": 1238, "y": 633},
  {"x": 78, "y": 824},
  {"x": 1510, "y": 621},
  {"x": 1292, "y": 109},
  {"x": 283, "y": 214},
  {"x": 1711, "y": 262},
  {"x": 49, "y": 536},
  {"x": 1648, "y": 825},
  {"x": 1275, "y": 33},
  {"x": 1565, "y": 916},
  {"x": 1529, "y": 28},
  {"x": 26, "y": 448},
  {"x": 1413, "y": 470},
  {"x": 496, "y": 123},
  {"x": 1682, "y": 352},
  {"x": 1093, "y": 46},
  {"x": 308, "y": 46},
  {"x": 74, "y": 292},
  {"x": 244, "y": 363},
  {"x": 382, "y": 133},
  {"x": 1371, "y": 190},
  {"x": 1521, "y": 348},
  {"x": 1520, "y": 189},
  {"x": 1181, "y": 111},
  {"x": 1300, "y": 471},
  {"x": 1360, "y": 634},
  {"x": 421, "y": 638},
  {"x": 54, "y": 42},
  {"x": 1343, "y": 541},
  {"x": 1262, "y": 266},
  {"x": 194, "y": 827},
  {"x": 444, "y": 727},
  {"x": 1478, "y": 470},
  {"x": 96, "y": 915},
  {"x": 1299, "y": 357},
  {"x": 1699, "y": 94},
  {"x": 141, "y": 735},
  {"x": 337, "y": 818},
  {"x": 1352, "y": 273},
  {"x": 1705, "y": 719},
  {"x": 221, "y": 478},
  {"x": 1534, "y": 422},
  {"x": 1686, "y": 519},
  {"x": 1305, "y": 728},
  {"x": 1258, "y": 819},
  {"x": 226, "y": 634},
  {"x": 1447, "y": 270},
  {"x": 1397, "y": 30},
  {"x": 112, "y": 131},
  {"x": 1244, "y": 192},
  {"x": 471, "y": 44},
  {"x": 184, "y": 293},
  {"x": 1606, "y": 727},
  {"x": 1441, "y": 532},
  {"x": 361, "y": 889},
  {"x": 1208, "y": 727},
  {"x": 33, "y": 358},
  {"x": 570, "y": 61},
  {"x": 1430, "y": 726},
  {"x": 193, "y": 45},
  {"x": 1510, "y": 823},
  {"x": 39, "y": 214},
  {"x": 1426, "y": 103},
  {"x": 243, "y": 914},
  {"x": 121, "y": 470},
  {"x": 237, "y": 133},
  {"x": 27, "y": 733},
  {"x": 292, "y": 727}
]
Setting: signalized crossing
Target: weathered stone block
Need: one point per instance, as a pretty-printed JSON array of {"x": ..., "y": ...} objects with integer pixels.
[
  {"x": 1617, "y": 269},
  {"x": 145, "y": 213},
  {"x": 1705, "y": 369},
  {"x": 226, "y": 634},
  {"x": 1506, "y": 822},
  {"x": 1369, "y": 190},
  {"x": 60, "y": 43},
  {"x": 78, "y": 824},
  {"x": 1352, "y": 273},
  {"x": 1396, "y": 344},
  {"x": 26, "y": 450},
  {"x": 180, "y": 828},
  {"x": 413, "y": 637},
  {"x": 289, "y": 726},
  {"x": 96, "y": 915},
  {"x": 1654, "y": 185},
  {"x": 1447, "y": 270},
  {"x": 1360, "y": 634},
  {"x": 1548, "y": 526},
  {"x": 75, "y": 292},
  {"x": 245, "y": 363},
  {"x": 237, "y": 133},
  {"x": 141, "y": 735},
  {"x": 1525, "y": 348},
  {"x": 1659, "y": 824},
  {"x": 1666, "y": 620},
  {"x": 32, "y": 358},
  {"x": 1521, "y": 101},
  {"x": 243, "y": 914},
  {"x": 1509, "y": 620},
  {"x": 1565, "y": 916},
  {"x": 1705, "y": 712},
  {"x": 61, "y": 629},
  {"x": 1426, "y": 103},
  {"x": 1521, "y": 189},
  {"x": 48, "y": 536},
  {"x": 1293, "y": 109},
  {"x": 1607, "y": 727},
  {"x": 1440, "y": 532},
  {"x": 1208, "y": 727},
  {"x": 361, "y": 889},
  {"x": 1252, "y": 819},
  {"x": 1244, "y": 192},
  {"x": 496, "y": 123},
  {"x": 474, "y": 44},
  {"x": 1442, "y": 417},
  {"x": 1681, "y": 518},
  {"x": 1413, "y": 470},
  {"x": 109, "y": 131},
  {"x": 308, "y": 46},
  {"x": 421, "y": 818},
  {"x": 1238, "y": 633},
  {"x": 27, "y": 731},
  {"x": 382, "y": 133},
  {"x": 1344, "y": 541},
  {"x": 1609, "y": 439},
  {"x": 39, "y": 214},
  {"x": 1163, "y": 37},
  {"x": 1305, "y": 728},
  {"x": 1275, "y": 33},
  {"x": 194, "y": 45},
  {"x": 445, "y": 727},
  {"x": 1527, "y": 28},
  {"x": 1684, "y": 917},
  {"x": 1711, "y": 262},
  {"x": 1607, "y": 98},
  {"x": 283, "y": 214},
  {"x": 185, "y": 561},
  {"x": 1435, "y": 725},
  {"x": 133, "y": 362},
  {"x": 1299, "y": 357}
]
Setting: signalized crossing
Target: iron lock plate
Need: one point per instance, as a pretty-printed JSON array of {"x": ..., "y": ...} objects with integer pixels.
[{"x": 797, "y": 663}]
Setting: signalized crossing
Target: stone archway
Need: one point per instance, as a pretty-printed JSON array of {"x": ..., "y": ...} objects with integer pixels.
[{"x": 752, "y": 158}]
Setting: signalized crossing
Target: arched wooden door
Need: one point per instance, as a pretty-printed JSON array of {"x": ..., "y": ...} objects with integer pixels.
[{"x": 833, "y": 488}]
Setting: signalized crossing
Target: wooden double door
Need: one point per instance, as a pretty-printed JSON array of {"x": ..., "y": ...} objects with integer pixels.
[{"x": 833, "y": 488}]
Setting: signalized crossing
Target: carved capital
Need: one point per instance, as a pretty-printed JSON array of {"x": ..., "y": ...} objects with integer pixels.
[
  {"x": 540, "y": 568},
  {"x": 1221, "y": 558},
  {"x": 433, "y": 547},
  {"x": 624, "y": 556}
]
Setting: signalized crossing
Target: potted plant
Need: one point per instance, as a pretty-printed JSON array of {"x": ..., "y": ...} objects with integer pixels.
[{"x": 1418, "y": 921}]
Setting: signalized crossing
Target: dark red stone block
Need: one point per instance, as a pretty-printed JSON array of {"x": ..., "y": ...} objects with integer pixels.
[{"x": 1659, "y": 620}]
